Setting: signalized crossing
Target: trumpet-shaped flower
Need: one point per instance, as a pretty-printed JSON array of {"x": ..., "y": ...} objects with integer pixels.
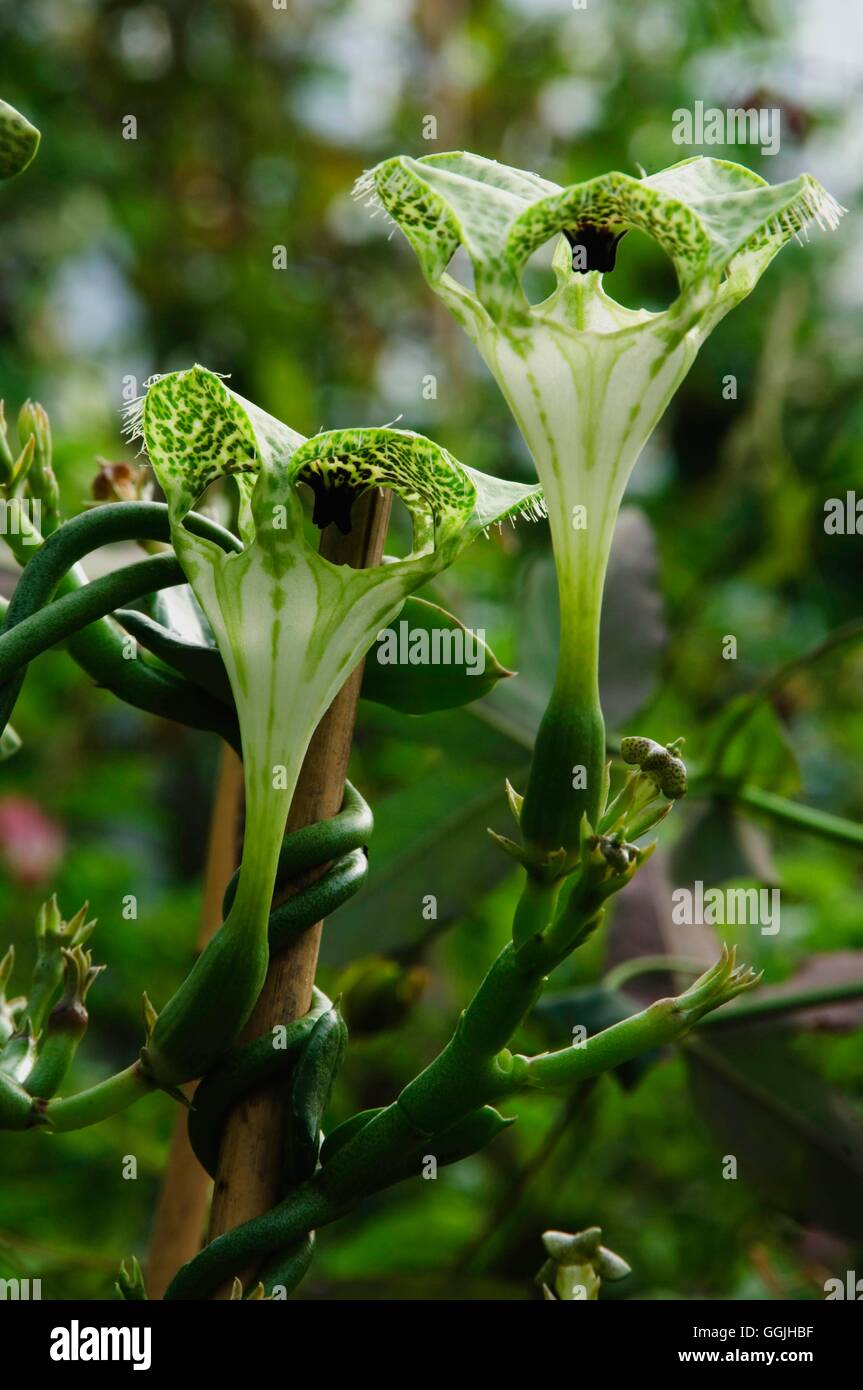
[
  {"x": 586, "y": 379},
  {"x": 290, "y": 625}
]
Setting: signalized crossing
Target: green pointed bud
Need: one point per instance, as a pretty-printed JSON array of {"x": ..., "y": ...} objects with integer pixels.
[
  {"x": 515, "y": 851},
  {"x": 53, "y": 935},
  {"x": 19, "y": 141},
  {"x": 66, "y": 1026},
  {"x": 652, "y": 817},
  {"x": 610, "y": 1266},
  {"x": 7, "y": 458},
  {"x": 6, "y": 966},
  {"x": 10, "y": 742},
  {"x": 130, "y": 1282},
  {"x": 150, "y": 1015},
  {"x": 514, "y": 801},
  {"x": 33, "y": 423},
  {"x": 21, "y": 466},
  {"x": 18, "y": 1053}
]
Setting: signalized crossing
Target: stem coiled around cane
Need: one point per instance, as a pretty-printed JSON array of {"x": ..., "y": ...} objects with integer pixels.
[{"x": 303, "y": 1055}]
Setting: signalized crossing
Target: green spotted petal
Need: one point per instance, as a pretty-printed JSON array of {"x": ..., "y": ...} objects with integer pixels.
[
  {"x": 746, "y": 219},
  {"x": 19, "y": 141},
  {"x": 449, "y": 503},
  {"x": 709, "y": 215},
  {"x": 195, "y": 430}
]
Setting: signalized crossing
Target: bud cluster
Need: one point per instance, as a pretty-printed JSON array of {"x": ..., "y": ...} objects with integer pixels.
[{"x": 577, "y": 1265}]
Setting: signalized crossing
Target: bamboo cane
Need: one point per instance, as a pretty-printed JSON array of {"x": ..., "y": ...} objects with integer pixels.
[{"x": 248, "y": 1178}]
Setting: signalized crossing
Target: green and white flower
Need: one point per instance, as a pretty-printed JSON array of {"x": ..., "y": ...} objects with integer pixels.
[
  {"x": 290, "y": 625},
  {"x": 586, "y": 379}
]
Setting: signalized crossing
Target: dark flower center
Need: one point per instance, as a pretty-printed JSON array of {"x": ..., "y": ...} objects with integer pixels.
[
  {"x": 593, "y": 248},
  {"x": 334, "y": 498}
]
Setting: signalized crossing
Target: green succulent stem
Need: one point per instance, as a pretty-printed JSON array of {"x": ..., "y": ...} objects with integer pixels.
[
  {"x": 51, "y": 570},
  {"x": 98, "y": 1102}
]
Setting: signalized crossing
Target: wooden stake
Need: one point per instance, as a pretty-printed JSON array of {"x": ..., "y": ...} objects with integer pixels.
[
  {"x": 182, "y": 1206},
  {"x": 248, "y": 1179}
]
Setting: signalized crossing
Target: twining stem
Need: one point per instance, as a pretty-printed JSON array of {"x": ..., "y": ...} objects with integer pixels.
[
  {"x": 181, "y": 1209},
  {"x": 98, "y": 1102},
  {"x": 808, "y": 819},
  {"x": 249, "y": 1178}
]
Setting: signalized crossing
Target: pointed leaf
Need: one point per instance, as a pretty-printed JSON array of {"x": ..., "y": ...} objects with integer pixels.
[
  {"x": 19, "y": 141},
  {"x": 401, "y": 670}
]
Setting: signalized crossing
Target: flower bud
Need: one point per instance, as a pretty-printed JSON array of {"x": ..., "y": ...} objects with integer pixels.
[
  {"x": 635, "y": 750},
  {"x": 53, "y": 936},
  {"x": 19, "y": 141},
  {"x": 33, "y": 423},
  {"x": 130, "y": 1282},
  {"x": 8, "y": 1007},
  {"x": 577, "y": 1264},
  {"x": 122, "y": 482},
  {"x": 67, "y": 1024}
]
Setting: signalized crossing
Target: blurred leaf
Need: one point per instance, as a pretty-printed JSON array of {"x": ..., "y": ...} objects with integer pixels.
[
  {"x": 718, "y": 845},
  {"x": 754, "y": 750},
  {"x": 821, "y": 972},
  {"x": 796, "y": 1141},
  {"x": 632, "y": 638},
  {"x": 428, "y": 686},
  {"x": 430, "y": 841}
]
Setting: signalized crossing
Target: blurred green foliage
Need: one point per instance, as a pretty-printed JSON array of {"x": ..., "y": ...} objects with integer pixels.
[{"x": 120, "y": 257}]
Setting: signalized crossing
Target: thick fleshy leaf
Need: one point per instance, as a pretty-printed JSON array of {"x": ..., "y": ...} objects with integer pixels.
[
  {"x": 426, "y": 660},
  {"x": 197, "y": 661},
  {"x": 19, "y": 141}
]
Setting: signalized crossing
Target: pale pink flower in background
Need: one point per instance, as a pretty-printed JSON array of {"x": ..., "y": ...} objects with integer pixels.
[{"x": 31, "y": 843}]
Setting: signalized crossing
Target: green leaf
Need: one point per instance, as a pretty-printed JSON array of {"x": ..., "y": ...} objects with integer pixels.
[
  {"x": 430, "y": 840},
  {"x": 796, "y": 1141},
  {"x": 401, "y": 671},
  {"x": 754, "y": 750},
  {"x": 19, "y": 141},
  {"x": 198, "y": 663},
  {"x": 718, "y": 845}
]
